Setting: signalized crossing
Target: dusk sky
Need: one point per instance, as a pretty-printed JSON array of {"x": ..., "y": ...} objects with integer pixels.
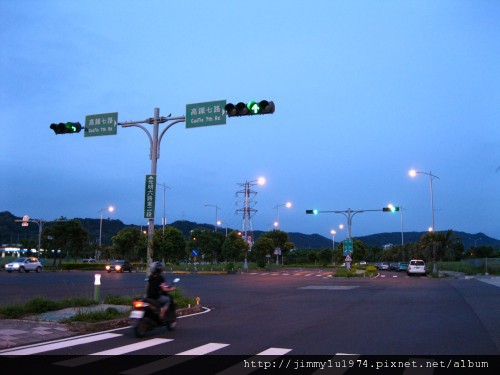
[{"x": 364, "y": 91}]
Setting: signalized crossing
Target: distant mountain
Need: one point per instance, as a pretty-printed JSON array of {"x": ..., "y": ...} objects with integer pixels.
[{"x": 11, "y": 232}]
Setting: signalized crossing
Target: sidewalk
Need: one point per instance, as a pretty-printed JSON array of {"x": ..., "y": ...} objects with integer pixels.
[{"x": 46, "y": 326}]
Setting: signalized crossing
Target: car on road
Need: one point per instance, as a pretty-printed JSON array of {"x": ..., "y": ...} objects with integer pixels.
[
  {"x": 402, "y": 267},
  {"x": 416, "y": 267},
  {"x": 24, "y": 265},
  {"x": 119, "y": 266},
  {"x": 88, "y": 260}
]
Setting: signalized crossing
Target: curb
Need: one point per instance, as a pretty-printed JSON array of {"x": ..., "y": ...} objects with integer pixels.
[{"x": 85, "y": 327}]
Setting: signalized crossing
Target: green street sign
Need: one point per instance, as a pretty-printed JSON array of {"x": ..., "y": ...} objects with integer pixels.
[
  {"x": 347, "y": 247},
  {"x": 149, "y": 196},
  {"x": 101, "y": 124},
  {"x": 205, "y": 114}
]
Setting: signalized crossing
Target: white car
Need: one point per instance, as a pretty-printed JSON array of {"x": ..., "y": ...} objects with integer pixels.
[
  {"x": 24, "y": 265},
  {"x": 416, "y": 267}
]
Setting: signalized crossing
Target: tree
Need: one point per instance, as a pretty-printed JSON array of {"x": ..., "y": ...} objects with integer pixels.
[
  {"x": 439, "y": 245},
  {"x": 129, "y": 243},
  {"x": 69, "y": 237},
  {"x": 207, "y": 242},
  {"x": 234, "y": 247},
  {"x": 280, "y": 240},
  {"x": 170, "y": 246},
  {"x": 262, "y": 249}
]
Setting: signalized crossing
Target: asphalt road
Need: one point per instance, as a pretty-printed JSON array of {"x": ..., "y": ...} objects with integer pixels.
[{"x": 305, "y": 312}]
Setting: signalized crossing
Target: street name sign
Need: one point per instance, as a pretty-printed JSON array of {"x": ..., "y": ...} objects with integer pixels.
[
  {"x": 101, "y": 124},
  {"x": 205, "y": 114},
  {"x": 150, "y": 195},
  {"x": 347, "y": 247}
]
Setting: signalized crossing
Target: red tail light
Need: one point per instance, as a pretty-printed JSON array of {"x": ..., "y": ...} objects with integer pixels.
[{"x": 139, "y": 304}]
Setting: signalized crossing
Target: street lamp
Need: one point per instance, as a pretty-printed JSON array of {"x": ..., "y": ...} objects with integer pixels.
[
  {"x": 287, "y": 205},
  {"x": 219, "y": 223},
  {"x": 164, "y": 218},
  {"x": 333, "y": 238},
  {"x": 413, "y": 173},
  {"x": 109, "y": 209},
  {"x": 216, "y": 217}
]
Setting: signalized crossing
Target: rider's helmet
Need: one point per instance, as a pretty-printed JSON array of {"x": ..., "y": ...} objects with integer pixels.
[{"x": 157, "y": 267}]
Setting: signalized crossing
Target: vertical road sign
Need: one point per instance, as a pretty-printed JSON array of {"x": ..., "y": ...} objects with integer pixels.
[
  {"x": 205, "y": 114},
  {"x": 347, "y": 247},
  {"x": 102, "y": 124},
  {"x": 150, "y": 195}
]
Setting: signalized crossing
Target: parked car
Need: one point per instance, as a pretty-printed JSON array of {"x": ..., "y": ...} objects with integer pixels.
[
  {"x": 24, "y": 265},
  {"x": 88, "y": 260},
  {"x": 362, "y": 263},
  {"x": 382, "y": 265},
  {"x": 402, "y": 267},
  {"x": 393, "y": 266},
  {"x": 416, "y": 267},
  {"x": 119, "y": 266}
]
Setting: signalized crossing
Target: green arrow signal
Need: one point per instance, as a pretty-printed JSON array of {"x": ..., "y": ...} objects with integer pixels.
[{"x": 254, "y": 107}]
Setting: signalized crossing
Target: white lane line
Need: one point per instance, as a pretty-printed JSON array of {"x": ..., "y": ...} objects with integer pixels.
[
  {"x": 63, "y": 344},
  {"x": 79, "y": 361},
  {"x": 171, "y": 361}
]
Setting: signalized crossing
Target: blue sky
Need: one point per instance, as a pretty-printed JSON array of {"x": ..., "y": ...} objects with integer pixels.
[{"x": 364, "y": 91}]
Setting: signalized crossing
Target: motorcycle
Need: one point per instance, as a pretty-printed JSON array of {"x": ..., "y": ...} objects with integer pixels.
[{"x": 146, "y": 315}]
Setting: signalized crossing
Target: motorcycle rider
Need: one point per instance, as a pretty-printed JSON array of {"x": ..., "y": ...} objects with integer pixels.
[{"x": 158, "y": 288}]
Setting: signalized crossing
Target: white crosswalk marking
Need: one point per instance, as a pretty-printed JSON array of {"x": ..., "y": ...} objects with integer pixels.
[
  {"x": 93, "y": 357},
  {"x": 62, "y": 344},
  {"x": 247, "y": 366},
  {"x": 171, "y": 361}
]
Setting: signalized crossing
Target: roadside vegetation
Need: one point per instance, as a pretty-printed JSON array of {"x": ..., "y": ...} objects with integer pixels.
[{"x": 40, "y": 305}]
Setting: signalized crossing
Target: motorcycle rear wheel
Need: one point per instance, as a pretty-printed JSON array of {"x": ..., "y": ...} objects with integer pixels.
[
  {"x": 171, "y": 325},
  {"x": 140, "y": 329}
]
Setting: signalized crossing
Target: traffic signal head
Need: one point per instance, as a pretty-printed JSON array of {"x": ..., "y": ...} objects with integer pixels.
[
  {"x": 315, "y": 212},
  {"x": 64, "y": 128},
  {"x": 390, "y": 209},
  {"x": 251, "y": 108}
]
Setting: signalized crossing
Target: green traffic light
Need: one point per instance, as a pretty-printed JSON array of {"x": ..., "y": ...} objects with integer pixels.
[{"x": 253, "y": 107}]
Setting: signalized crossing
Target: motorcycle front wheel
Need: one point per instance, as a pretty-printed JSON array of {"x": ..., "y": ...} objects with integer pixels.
[{"x": 141, "y": 328}]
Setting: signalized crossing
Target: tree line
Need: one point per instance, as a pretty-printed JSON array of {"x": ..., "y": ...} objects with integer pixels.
[{"x": 69, "y": 239}]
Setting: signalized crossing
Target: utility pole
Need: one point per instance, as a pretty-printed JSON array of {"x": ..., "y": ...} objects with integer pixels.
[{"x": 154, "y": 155}]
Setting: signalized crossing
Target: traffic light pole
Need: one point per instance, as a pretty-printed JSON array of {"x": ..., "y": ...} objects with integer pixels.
[
  {"x": 349, "y": 215},
  {"x": 154, "y": 143}
]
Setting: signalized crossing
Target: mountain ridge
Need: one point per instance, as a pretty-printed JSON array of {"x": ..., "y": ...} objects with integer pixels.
[{"x": 9, "y": 227}]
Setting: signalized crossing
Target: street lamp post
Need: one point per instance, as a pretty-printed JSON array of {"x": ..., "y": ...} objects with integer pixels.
[
  {"x": 164, "y": 218},
  {"x": 333, "y": 242},
  {"x": 413, "y": 173},
  {"x": 333, "y": 238},
  {"x": 216, "y": 217},
  {"x": 277, "y": 207},
  {"x": 109, "y": 209}
]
